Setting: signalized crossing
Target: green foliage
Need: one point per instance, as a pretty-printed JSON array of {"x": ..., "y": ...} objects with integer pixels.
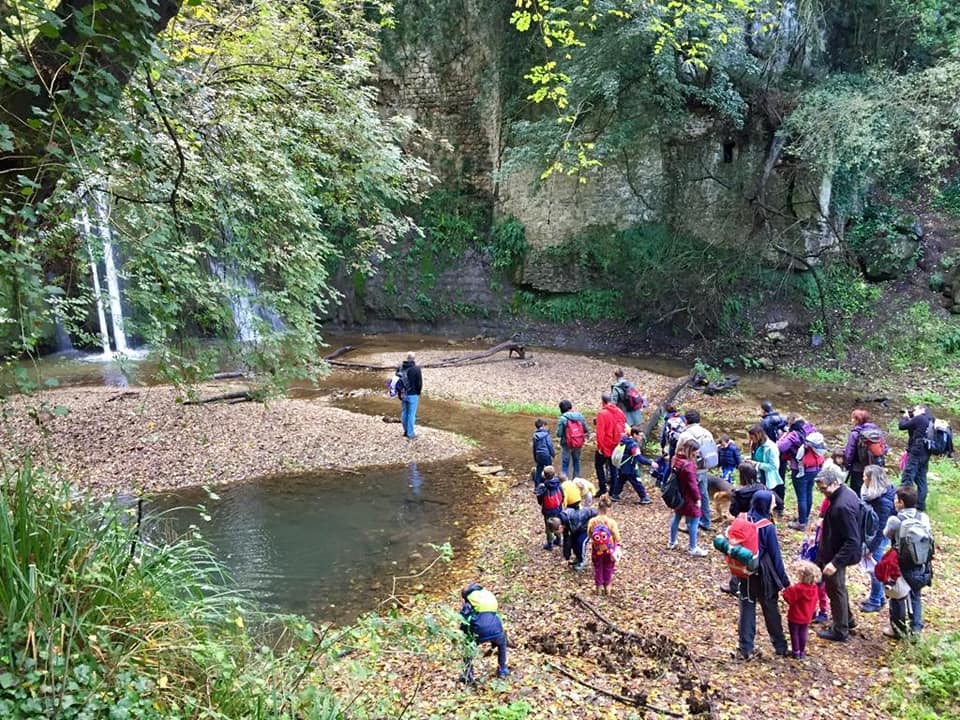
[
  {"x": 510, "y": 245},
  {"x": 932, "y": 342},
  {"x": 592, "y": 305},
  {"x": 516, "y": 710},
  {"x": 827, "y": 376},
  {"x": 948, "y": 197},
  {"x": 711, "y": 373},
  {"x": 98, "y": 622},
  {"x": 846, "y": 295}
]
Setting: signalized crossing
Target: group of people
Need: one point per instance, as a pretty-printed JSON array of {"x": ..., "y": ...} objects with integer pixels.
[{"x": 854, "y": 483}]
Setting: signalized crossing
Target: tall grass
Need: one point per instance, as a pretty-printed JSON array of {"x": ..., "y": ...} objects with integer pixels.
[{"x": 96, "y": 622}]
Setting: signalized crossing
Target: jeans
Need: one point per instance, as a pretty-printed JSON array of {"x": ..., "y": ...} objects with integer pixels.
[
  {"x": 915, "y": 473},
  {"x": 876, "y": 587},
  {"x": 727, "y": 474},
  {"x": 693, "y": 524},
  {"x": 566, "y": 456},
  {"x": 408, "y": 414},
  {"x": 703, "y": 480},
  {"x": 751, "y": 593},
  {"x": 803, "y": 486},
  {"x": 839, "y": 601},
  {"x": 538, "y": 475}
]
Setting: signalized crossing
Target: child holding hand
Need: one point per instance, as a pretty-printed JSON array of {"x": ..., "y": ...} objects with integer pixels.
[{"x": 801, "y": 597}]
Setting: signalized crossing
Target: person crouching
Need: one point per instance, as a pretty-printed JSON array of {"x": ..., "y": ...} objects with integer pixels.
[{"x": 481, "y": 624}]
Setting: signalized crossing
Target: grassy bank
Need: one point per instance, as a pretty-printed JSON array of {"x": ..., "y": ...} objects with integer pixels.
[{"x": 97, "y": 622}]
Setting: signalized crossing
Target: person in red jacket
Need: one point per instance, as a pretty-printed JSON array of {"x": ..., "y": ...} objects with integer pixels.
[
  {"x": 610, "y": 424},
  {"x": 802, "y": 598}
]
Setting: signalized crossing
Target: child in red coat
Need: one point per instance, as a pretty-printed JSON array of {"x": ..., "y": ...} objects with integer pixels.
[{"x": 802, "y": 599}]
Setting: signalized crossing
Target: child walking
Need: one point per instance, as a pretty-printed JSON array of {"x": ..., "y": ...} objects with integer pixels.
[
  {"x": 550, "y": 497},
  {"x": 604, "y": 536},
  {"x": 543, "y": 450},
  {"x": 481, "y": 624},
  {"x": 729, "y": 457},
  {"x": 802, "y": 599}
]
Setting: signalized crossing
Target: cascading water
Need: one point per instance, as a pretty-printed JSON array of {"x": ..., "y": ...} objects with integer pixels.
[
  {"x": 110, "y": 269},
  {"x": 241, "y": 307},
  {"x": 97, "y": 295}
]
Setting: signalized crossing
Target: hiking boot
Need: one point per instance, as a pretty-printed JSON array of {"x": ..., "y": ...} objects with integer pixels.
[
  {"x": 832, "y": 635},
  {"x": 548, "y": 546},
  {"x": 615, "y": 498},
  {"x": 697, "y": 552},
  {"x": 783, "y": 652},
  {"x": 644, "y": 501},
  {"x": 725, "y": 588},
  {"x": 869, "y": 607},
  {"x": 580, "y": 567},
  {"x": 820, "y": 617},
  {"x": 671, "y": 546},
  {"x": 794, "y": 525},
  {"x": 503, "y": 672}
]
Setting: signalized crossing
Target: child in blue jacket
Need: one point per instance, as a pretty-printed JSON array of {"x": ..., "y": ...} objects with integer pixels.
[
  {"x": 543, "y": 450},
  {"x": 729, "y": 457},
  {"x": 481, "y": 624}
]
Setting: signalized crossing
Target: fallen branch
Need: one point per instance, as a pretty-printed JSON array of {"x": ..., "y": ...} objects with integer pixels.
[
  {"x": 616, "y": 628},
  {"x": 239, "y": 396},
  {"x": 632, "y": 702},
  {"x": 229, "y": 375},
  {"x": 667, "y": 400},
  {"x": 338, "y": 352},
  {"x": 125, "y": 394},
  {"x": 510, "y": 346}
]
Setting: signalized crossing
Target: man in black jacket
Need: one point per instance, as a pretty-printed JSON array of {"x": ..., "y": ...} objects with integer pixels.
[
  {"x": 916, "y": 422},
  {"x": 412, "y": 382},
  {"x": 840, "y": 547}
]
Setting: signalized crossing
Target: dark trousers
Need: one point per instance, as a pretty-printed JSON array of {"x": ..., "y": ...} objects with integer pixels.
[
  {"x": 752, "y": 594},
  {"x": 839, "y": 601},
  {"x": 915, "y": 473},
  {"x": 574, "y": 543},
  {"x": 900, "y": 616},
  {"x": 781, "y": 492},
  {"x": 499, "y": 642},
  {"x": 627, "y": 477},
  {"x": 605, "y": 472},
  {"x": 855, "y": 480}
]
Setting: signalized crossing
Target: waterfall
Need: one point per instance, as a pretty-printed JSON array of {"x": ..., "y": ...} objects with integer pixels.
[
  {"x": 241, "y": 307},
  {"x": 61, "y": 338},
  {"x": 97, "y": 296},
  {"x": 110, "y": 270}
]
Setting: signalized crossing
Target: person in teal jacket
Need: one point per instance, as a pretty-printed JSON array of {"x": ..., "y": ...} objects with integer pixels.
[{"x": 764, "y": 452}]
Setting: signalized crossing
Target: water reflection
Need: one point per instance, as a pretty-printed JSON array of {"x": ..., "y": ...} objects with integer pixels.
[{"x": 327, "y": 545}]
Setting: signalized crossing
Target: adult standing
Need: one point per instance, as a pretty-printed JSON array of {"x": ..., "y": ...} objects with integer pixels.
[
  {"x": 571, "y": 442},
  {"x": 773, "y": 426},
  {"x": 411, "y": 385},
  {"x": 764, "y": 452},
  {"x": 840, "y": 547},
  {"x": 764, "y": 586},
  {"x": 621, "y": 394},
  {"x": 916, "y": 422},
  {"x": 685, "y": 465},
  {"x": 851, "y": 452},
  {"x": 610, "y": 424},
  {"x": 879, "y": 494},
  {"x": 804, "y": 466},
  {"x": 704, "y": 439}
]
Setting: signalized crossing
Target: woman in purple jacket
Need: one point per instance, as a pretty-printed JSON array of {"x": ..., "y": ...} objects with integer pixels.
[{"x": 802, "y": 473}]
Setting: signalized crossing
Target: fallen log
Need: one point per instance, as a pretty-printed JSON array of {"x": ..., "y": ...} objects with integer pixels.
[
  {"x": 232, "y": 397},
  {"x": 229, "y": 375},
  {"x": 654, "y": 419},
  {"x": 338, "y": 352},
  {"x": 510, "y": 346}
]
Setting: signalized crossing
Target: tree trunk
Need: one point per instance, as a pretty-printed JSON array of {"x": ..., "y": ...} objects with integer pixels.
[{"x": 65, "y": 83}]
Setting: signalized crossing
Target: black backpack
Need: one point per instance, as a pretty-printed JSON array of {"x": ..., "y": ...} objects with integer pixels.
[
  {"x": 670, "y": 492},
  {"x": 868, "y": 522}
]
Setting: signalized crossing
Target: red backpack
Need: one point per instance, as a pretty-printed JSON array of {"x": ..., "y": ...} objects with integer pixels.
[
  {"x": 634, "y": 400},
  {"x": 574, "y": 434},
  {"x": 746, "y": 534},
  {"x": 552, "y": 500}
]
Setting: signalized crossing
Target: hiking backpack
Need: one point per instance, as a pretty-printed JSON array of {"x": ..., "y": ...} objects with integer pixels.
[
  {"x": 675, "y": 425},
  {"x": 915, "y": 544},
  {"x": 709, "y": 454},
  {"x": 402, "y": 386},
  {"x": 551, "y": 500},
  {"x": 633, "y": 399},
  {"x": 868, "y": 523},
  {"x": 871, "y": 446},
  {"x": 602, "y": 540},
  {"x": 670, "y": 492},
  {"x": 744, "y": 533},
  {"x": 813, "y": 450},
  {"x": 620, "y": 456},
  {"x": 574, "y": 434},
  {"x": 939, "y": 438}
]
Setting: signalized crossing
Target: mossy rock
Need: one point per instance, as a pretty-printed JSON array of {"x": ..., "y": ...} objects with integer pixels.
[{"x": 893, "y": 251}]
